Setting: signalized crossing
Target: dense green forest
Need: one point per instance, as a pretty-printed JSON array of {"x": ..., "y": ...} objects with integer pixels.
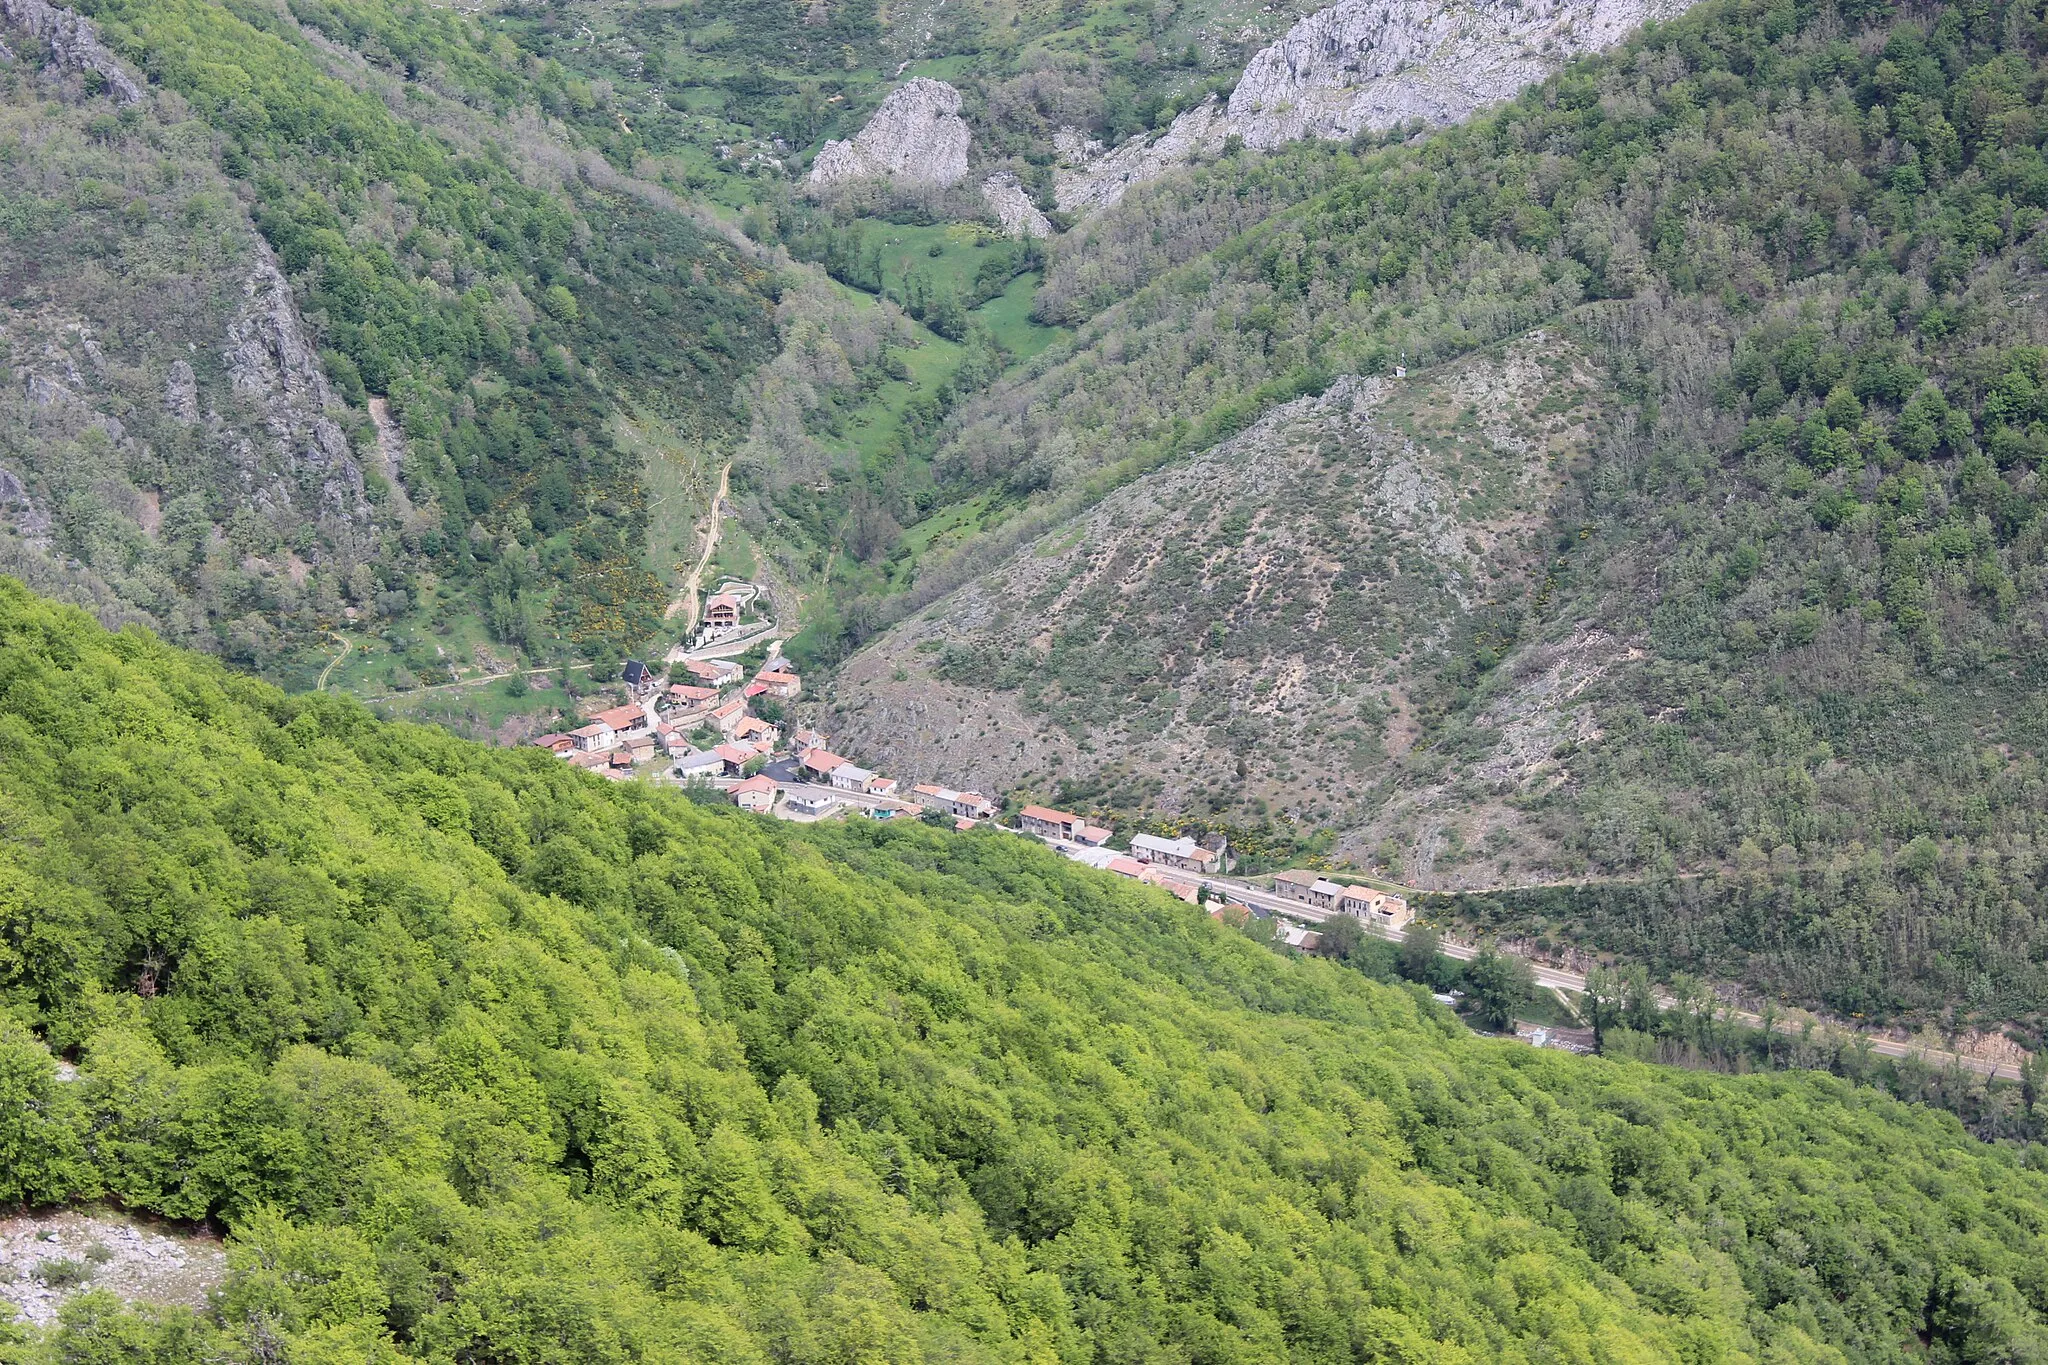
[{"x": 481, "y": 1058}]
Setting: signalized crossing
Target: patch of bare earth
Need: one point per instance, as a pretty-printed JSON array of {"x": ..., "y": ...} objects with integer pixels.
[{"x": 49, "y": 1257}]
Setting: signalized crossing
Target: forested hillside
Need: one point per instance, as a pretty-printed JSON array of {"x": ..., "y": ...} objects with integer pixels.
[
  {"x": 478, "y": 1057},
  {"x": 320, "y": 320},
  {"x": 1782, "y": 618}
]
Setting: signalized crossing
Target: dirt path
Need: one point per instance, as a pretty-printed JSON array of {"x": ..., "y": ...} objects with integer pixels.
[
  {"x": 686, "y": 596},
  {"x": 333, "y": 663},
  {"x": 478, "y": 681}
]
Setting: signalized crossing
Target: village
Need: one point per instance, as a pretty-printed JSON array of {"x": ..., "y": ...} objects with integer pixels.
[{"x": 701, "y": 724}]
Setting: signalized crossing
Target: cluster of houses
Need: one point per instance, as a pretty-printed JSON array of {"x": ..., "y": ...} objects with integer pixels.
[
  {"x": 661, "y": 716},
  {"x": 1379, "y": 908},
  {"x": 1162, "y": 862},
  {"x": 713, "y": 695}
]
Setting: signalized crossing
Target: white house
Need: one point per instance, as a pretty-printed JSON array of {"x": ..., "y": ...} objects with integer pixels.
[
  {"x": 848, "y": 777},
  {"x": 1184, "y": 854}
]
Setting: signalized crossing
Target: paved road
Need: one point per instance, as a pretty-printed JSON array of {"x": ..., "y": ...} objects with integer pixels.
[{"x": 1556, "y": 978}]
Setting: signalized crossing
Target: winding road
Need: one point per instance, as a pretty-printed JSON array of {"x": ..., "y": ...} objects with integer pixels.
[{"x": 334, "y": 662}]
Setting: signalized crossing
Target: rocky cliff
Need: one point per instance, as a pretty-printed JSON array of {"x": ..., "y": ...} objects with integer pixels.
[
  {"x": 917, "y": 137},
  {"x": 73, "y": 45},
  {"x": 1367, "y": 66},
  {"x": 272, "y": 362}
]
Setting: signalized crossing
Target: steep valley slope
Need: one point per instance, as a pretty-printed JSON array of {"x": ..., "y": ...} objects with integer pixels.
[
  {"x": 1241, "y": 631},
  {"x": 476, "y": 1057},
  {"x": 1772, "y": 669}
]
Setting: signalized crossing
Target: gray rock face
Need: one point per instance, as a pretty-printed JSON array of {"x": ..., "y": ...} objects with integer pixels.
[
  {"x": 73, "y": 42},
  {"x": 271, "y": 361},
  {"x": 1101, "y": 181},
  {"x": 917, "y": 136},
  {"x": 1006, "y": 199},
  {"x": 181, "y": 393},
  {"x": 1369, "y": 65}
]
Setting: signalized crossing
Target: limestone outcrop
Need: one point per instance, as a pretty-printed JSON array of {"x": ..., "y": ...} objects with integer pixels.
[
  {"x": 74, "y": 44},
  {"x": 271, "y": 361},
  {"x": 1006, "y": 199},
  {"x": 1099, "y": 181},
  {"x": 916, "y": 137},
  {"x": 1369, "y": 65}
]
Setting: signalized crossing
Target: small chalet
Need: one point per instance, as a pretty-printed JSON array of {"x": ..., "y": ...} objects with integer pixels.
[
  {"x": 626, "y": 721},
  {"x": 639, "y": 678},
  {"x": 1167, "y": 882},
  {"x": 1048, "y": 823},
  {"x": 960, "y": 805},
  {"x": 752, "y": 729},
  {"x": 1294, "y": 884},
  {"x": 757, "y": 793},
  {"x": 722, "y": 612},
  {"x": 689, "y": 694},
  {"x": 782, "y": 686},
  {"x": 1374, "y": 907},
  {"x": 820, "y": 763},
  {"x": 555, "y": 744}
]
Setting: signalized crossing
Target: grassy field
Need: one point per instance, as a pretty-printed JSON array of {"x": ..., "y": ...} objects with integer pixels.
[
  {"x": 678, "y": 478},
  {"x": 1008, "y": 316},
  {"x": 734, "y": 556}
]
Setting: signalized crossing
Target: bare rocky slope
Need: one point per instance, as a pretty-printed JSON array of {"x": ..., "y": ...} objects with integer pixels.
[
  {"x": 1368, "y": 66},
  {"x": 916, "y": 136},
  {"x": 1236, "y": 636}
]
